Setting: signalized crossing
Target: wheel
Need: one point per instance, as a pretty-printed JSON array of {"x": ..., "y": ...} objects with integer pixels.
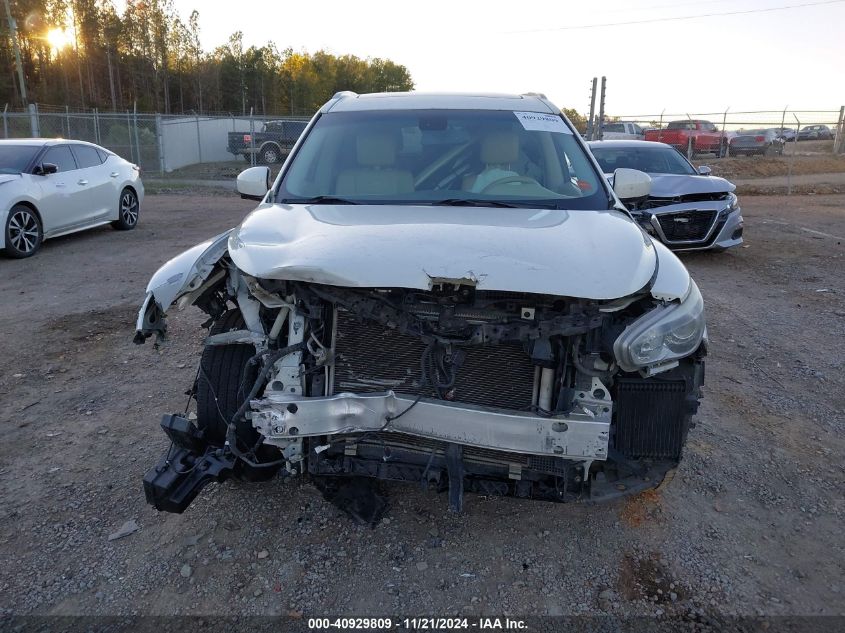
[
  {"x": 23, "y": 232},
  {"x": 128, "y": 210},
  {"x": 224, "y": 381},
  {"x": 270, "y": 154}
]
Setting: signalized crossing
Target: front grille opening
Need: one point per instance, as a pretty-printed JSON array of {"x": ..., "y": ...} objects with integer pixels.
[
  {"x": 687, "y": 226},
  {"x": 370, "y": 357}
]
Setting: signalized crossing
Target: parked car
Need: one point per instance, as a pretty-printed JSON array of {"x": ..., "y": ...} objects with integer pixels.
[
  {"x": 687, "y": 209},
  {"x": 440, "y": 289},
  {"x": 705, "y": 136},
  {"x": 54, "y": 187},
  {"x": 622, "y": 130},
  {"x": 270, "y": 145},
  {"x": 815, "y": 133},
  {"x": 786, "y": 133},
  {"x": 762, "y": 142}
]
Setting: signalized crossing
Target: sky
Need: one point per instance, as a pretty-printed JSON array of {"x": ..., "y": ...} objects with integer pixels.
[{"x": 754, "y": 61}]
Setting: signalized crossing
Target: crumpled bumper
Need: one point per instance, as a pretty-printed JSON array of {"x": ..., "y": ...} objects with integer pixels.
[
  {"x": 725, "y": 231},
  {"x": 281, "y": 417}
]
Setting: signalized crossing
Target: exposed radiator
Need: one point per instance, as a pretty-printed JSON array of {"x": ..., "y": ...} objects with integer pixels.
[
  {"x": 372, "y": 357},
  {"x": 650, "y": 418}
]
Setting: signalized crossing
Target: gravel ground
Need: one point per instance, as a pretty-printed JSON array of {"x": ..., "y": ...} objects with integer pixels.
[{"x": 751, "y": 524}]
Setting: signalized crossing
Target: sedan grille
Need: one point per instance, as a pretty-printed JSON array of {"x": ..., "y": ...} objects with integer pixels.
[
  {"x": 687, "y": 226},
  {"x": 370, "y": 357}
]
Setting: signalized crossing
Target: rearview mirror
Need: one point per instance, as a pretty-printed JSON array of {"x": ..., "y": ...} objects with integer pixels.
[
  {"x": 254, "y": 183},
  {"x": 704, "y": 170},
  {"x": 45, "y": 169},
  {"x": 631, "y": 183}
]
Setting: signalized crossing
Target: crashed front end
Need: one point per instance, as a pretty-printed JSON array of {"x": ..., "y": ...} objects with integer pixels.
[{"x": 453, "y": 387}]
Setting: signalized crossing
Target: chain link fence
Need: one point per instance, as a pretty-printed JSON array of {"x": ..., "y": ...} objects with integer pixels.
[
  {"x": 161, "y": 144},
  {"x": 821, "y": 125},
  {"x": 158, "y": 143}
]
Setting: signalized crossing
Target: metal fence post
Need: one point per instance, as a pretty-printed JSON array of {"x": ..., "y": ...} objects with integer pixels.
[
  {"x": 722, "y": 142},
  {"x": 160, "y": 140},
  {"x": 251, "y": 139},
  {"x": 129, "y": 134},
  {"x": 33, "y": 120},
  {"x": 199, "y": 141},
  {"x": 660, "y": 128},
  {"x": 839, "y": 139},
  {"x": 792, "y": 160},
  {"x": 782, "y": 128},
  {"x": 97, "y": 137},
  {"x": 6, "y": 121},
  {"x": 135, "y": 122}
]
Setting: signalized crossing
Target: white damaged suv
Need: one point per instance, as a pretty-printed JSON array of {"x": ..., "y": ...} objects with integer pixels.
[{"x": 436, "y": 289}]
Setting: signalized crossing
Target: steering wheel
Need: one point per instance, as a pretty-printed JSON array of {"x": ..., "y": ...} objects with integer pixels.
[{"x": 507, "y": 180}]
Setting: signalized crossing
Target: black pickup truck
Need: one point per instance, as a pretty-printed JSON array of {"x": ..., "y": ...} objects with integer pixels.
[{"x": 271, "y": 144}]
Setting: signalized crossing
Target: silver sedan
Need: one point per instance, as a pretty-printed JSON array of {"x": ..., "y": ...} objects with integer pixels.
[
  {"x": 54, "y": 187},
  {"x": 688, "y": 209}
]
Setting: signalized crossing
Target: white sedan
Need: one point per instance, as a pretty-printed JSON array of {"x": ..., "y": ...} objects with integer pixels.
[{"x": 54, "y": 187}]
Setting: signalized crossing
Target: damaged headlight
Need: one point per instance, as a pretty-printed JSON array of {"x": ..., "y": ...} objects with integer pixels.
[{"x": 663, "y": 334}]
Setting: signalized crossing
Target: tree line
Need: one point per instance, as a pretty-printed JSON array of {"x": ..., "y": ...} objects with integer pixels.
[{"x": 84, "y": 54}]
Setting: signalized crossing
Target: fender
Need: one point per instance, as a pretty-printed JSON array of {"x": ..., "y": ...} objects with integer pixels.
[
  {"x": 672, "y": 282},
  {"x": 182, "y": 275}
]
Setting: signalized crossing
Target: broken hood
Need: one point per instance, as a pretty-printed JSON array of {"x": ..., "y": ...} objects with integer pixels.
[
  {"x": 588, "y": 254},
  {"x": 670, "y": 185}
]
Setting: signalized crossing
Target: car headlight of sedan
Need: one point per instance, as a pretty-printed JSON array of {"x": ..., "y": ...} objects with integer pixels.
[
  {"x": 664, "y": 334},
  {"x": 733, "y": 202}
]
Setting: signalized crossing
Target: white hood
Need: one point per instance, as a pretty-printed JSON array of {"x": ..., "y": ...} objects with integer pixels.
[{"x": 587, "y": 254}]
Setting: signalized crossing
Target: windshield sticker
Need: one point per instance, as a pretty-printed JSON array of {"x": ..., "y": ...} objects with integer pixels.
[{"x": 542, "y": 122}]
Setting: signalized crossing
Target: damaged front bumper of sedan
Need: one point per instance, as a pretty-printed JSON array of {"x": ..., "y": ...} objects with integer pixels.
[{"x": 694, "y": 225}]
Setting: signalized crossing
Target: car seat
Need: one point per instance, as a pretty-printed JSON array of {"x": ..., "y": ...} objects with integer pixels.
[
  {"x": 375, "y": 173},
  {"x": 498, "y": 151}
]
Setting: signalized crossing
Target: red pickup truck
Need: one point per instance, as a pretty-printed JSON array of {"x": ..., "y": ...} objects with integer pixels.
[{"x": 705, "y": 136}]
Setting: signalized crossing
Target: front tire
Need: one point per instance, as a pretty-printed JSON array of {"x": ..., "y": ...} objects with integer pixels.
[
  {"x": 127, "y": 211},
  {"x": 225, "y": 380},
  {"x": 23, "y": 232}
]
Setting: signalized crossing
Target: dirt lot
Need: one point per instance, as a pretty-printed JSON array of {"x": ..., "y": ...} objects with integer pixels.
[{"x": 752, "y": 523}]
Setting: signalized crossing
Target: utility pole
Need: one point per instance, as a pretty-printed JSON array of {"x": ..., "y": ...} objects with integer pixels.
[
  {"x": 600, "y": 132},
  {"x": 13, "y": 33},
  {"x": 592, "y": 110}
]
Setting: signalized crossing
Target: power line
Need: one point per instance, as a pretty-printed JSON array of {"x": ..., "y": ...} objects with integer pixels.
[{"x": 676, "y": 19}]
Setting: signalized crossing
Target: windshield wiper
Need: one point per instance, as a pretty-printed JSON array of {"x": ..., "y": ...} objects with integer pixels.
[
  {"x": 318, "y": 200},
  {"x": 464, "y": 202}
]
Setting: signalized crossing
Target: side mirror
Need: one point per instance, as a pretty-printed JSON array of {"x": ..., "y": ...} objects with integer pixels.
[
  {"x": 629, "y": 184},
  {"x": 704, "y": 170},
  {"x": 45, "y": 169},
  {"x": 254, "y": 183}
]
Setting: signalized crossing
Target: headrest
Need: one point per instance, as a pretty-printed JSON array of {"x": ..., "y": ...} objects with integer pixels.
[
  {"x": 376, "y": 150},
  {"x": 500, "y": 148}
]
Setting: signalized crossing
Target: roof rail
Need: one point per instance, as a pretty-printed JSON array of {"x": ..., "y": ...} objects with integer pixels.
[
  {"x": 534, "y": 94},
  {"x": 344, "y": 93}
]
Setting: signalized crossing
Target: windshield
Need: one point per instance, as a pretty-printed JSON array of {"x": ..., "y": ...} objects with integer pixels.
[
  {"x": 443, "y": 156},
  {"x": 652, "y": 160},
  {"x": 15, "y": 158}
]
